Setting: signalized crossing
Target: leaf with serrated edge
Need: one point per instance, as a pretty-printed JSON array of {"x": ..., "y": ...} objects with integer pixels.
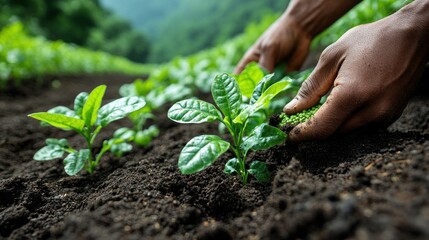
[
  {"x": 227, "y": 95},
  {"x": 79, "y": 102},
  {"x": 263, "y": 137},
  {"x": 119, "y": 108},
  {"x": 74, "y": 162},
  {"x": 59, "y": 120},
  {"x": 193, "y": 111},
  {"x": 200, "y": 152},
  {"x": 49, "y": 152},
  {"x": 260, "y": 171},
  {"x": 92, "y": 105}
]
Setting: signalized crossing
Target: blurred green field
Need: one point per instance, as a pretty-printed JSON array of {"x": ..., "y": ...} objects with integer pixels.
[{"x": 23, "y": 57}]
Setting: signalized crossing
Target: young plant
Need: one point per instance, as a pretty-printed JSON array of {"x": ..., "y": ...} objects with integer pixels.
[
  {"x": 87, "y": 118},
  {"x": 200, "y": 152},
  {"x": 156, "y": 96}
]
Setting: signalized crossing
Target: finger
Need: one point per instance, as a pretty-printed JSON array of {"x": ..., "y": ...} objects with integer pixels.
[
  {"x": 298, "y": 57},
  {"x": 317, "y": 84},
  {"x": 328, "y": 119},
  {"x": 250, "y": 56},
  {"x": 268, "y": 60}
]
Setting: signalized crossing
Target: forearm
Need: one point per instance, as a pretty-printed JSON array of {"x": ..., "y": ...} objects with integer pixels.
[{"x": 314, "y": 16}]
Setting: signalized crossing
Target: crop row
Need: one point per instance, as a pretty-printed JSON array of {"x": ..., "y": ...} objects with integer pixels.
[{"x": 23, "y": 57}]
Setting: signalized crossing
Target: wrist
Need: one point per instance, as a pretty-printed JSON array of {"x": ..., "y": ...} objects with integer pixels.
[
  {"x": 314, "y": 16},
  {"x": 414, "y": 19},
  {"x": 416, "y": 14}
]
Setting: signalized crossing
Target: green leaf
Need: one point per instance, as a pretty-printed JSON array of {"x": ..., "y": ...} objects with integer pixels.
[
  {"x": 175, "y": 92},
  {"x": 193, "y": 111},
  {"x": 92, "y": 105},
  {"x": 142, "y": 88},
  {"x": 232, "y": 166},
  {"x": 263, "y": 137},
  {"x": 254, "y": 121},
  {"x": 49, "y": 152},
  {"x": 260, "y": 171},
  {"x": 200, "y": 152},
  {"x": 227, "y": 95},
  {"x": 119, "y": 108},
  {"x": 79, "y": 102},
  {"x": 74, "y": 162},
  {"x": 263, "y": 101},
  {"x": 270, "y": 93},
  {"x": 260, "y": 88},
  {"x": 53, "y": 141},
  {"x": 62, "y": 110},
  {"x": 119, "y": 149},
  {"x": 139, "y": 117},
  {"x": 152, "y": 131},
  {"x": 124, "y": 133},
  {"x": 143, "y": 138},
  {"x": 249, "y": 78},
  {"x": 59, "y": 120},
  {"x": 244, "y": 114}
]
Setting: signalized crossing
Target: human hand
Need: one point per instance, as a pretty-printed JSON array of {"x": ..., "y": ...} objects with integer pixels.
[
  {"x": 288, "y": 39},
  {"x": 370, "y": 72},
  {"x": 282, "y": 41}
]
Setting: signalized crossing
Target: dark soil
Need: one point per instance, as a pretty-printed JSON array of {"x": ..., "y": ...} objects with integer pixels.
[{"x": 366, "y": 185}]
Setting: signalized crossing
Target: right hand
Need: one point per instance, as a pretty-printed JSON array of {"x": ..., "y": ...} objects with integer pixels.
[
  {"x": 369, "y": 73},
  {"x": 283, "y": 41}
]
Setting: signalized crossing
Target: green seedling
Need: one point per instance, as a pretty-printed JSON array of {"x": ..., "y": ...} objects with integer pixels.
[
  {"x": 299, "y": 117},
  {"x": 87, "y": 118},
  {"x": 140, "y": 136},
  {"x": 155, "y": 95},
  {"x": 201, "y": 151}
]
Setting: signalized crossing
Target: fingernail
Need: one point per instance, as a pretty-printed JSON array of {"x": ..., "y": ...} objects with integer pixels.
[{"x": 290, "y": 105}]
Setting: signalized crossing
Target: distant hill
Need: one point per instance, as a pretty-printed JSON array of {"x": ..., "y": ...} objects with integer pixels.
[
  {"x": 144, "y": 15},
  {"x": 182, "y": 27}
]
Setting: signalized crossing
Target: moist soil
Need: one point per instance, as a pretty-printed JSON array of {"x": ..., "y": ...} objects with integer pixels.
[{"x": 367, "y": 185}]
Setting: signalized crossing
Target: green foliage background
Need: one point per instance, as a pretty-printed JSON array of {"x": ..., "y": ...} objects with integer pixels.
[
  {"x": 23, "y": 57},
  {"x": 82, "y": 22}
]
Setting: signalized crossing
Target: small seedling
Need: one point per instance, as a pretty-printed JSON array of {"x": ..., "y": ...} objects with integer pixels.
[
  {"x": 299, "y": 117},
  {"x": 236, "y": 115},
  {"x": 87, "y": 118},
  {"x": 155, "y": 96}
]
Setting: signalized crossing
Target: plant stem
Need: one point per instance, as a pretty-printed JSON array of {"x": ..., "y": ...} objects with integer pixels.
[
  {"x": 237, "y": 138},
  {"x": 89, "y": 139},
  {"x": 102, "y": 152},
  {"x": 94, "y": 134}
]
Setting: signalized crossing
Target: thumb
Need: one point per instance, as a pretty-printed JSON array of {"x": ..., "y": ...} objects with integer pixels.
[{"x": 317, "y": 84}]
